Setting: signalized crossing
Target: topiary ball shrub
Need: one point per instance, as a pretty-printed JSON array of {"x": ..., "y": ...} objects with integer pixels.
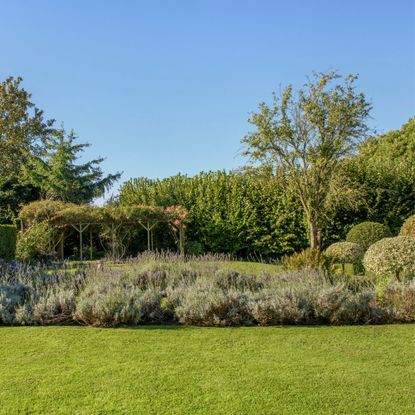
[
  {"x": 345, "y": 253},
  {"x": 367, "y": 233},
  {"x": 391, "y": 257},
  {"x": 408, "y": 227}
]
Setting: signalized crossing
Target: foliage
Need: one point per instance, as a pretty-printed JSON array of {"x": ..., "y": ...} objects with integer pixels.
[
  {"x": 345, "y": 252},
  {"x": 35, "y": 242},
  {"x": 22, "y": 127},
  {"x": 384, "y": 168},
  {"x": 307, "y": 258},
  {"x": 391, "y": 257},
  {"x": 203, "y": 292},
  {"x": 41, "y": 210},
  {"x": 400, "y": 296},
  {"x": 8, "y": 235},
  {"x": 240, "y": 213},
  {"x": 305, "y": 138},
  {"x": 408, "y": 227},
  {"x": 58, "y": 176},
  {"x": 13, "y": 194},
  {"x": 367, "y": 233}
]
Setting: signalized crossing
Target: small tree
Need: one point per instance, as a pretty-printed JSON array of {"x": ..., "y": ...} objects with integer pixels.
[{"x": 305, "y": 137}]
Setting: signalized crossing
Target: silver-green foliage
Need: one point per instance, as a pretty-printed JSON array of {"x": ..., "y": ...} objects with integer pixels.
[
  {"x": 345, "y": 252},
  {"x": 391, "y": 257}
]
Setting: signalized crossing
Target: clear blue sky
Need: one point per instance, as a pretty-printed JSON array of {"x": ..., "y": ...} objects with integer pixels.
[{"x": 161, "y": 87}]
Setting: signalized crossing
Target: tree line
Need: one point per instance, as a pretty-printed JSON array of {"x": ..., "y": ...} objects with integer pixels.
[{"x": 315, "y": 170}]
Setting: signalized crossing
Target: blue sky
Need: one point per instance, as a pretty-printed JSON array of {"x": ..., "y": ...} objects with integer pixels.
[{"x": 161, "y": 87}]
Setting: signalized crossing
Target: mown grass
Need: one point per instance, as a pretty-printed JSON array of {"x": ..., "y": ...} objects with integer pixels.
[{"x": 186, "y": 370}]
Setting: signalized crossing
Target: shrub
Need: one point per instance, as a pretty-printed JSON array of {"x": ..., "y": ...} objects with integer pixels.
[
  {"x": 401, "y": 298},
  {"x": 391, "y": 257},
  {"x": 56, "y": 306},
  {"x": 210, "y": 306},
  {"x": 111, "y": 301},
  {"x": 8, "y": 235},
  {"x": 337, "y": 305},
  {"x": 35, "y": 242},
  {"x": 11, "y": 297},
  {"x": 233, "y": 280},
  {"x": 271, "y": 307},
  {"x": 345, "y": 253},
  {"x": 408, "y": 227},
  {"x": 367, "y": 233},
  {"x": 308, "y": 258}
]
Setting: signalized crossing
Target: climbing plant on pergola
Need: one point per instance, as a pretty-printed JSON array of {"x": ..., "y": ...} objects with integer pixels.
[{"x": 114, "y": 221}]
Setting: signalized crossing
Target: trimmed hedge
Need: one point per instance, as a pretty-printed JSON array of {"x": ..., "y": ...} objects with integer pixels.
[
  {"x": 367, "y": 233},
  {"x": 8, "y": 236},
  {"x": 408, "y": 227}
]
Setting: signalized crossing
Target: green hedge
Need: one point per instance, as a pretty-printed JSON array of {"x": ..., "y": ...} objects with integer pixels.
[{"x": 8, "y": 236}]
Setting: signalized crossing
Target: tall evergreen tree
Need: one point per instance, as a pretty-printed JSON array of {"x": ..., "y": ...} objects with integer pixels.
[{"x": 58, "y": 175}]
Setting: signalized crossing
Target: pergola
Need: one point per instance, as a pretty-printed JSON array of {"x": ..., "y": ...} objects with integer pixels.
[{"x": 116, "y": 220}]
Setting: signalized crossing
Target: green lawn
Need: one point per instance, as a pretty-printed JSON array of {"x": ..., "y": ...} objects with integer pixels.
[{"x": 183, "y": 370}]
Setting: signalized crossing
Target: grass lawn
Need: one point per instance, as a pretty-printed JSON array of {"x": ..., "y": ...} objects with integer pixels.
[{"x": 185, "y": 370}]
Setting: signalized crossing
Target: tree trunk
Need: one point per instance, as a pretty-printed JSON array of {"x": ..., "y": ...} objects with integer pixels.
[{"x": 313, "y": 234}]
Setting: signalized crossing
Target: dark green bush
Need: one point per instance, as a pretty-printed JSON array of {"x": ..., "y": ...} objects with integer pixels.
[
  {"x": 8, "y": 235},
  {"x": 367, "y": 233}
]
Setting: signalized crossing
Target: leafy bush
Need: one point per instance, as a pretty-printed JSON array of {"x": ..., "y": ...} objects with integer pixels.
[
  {"x": 208, "y": 306},
  {"x": 36, "y": 242},
  {"x": 367, "y": 233},
  {"x": 308, "y": 258},
  {"x": 391, "y": 257},
  {"x": 11, "y": 296},
  {"x": 345, "y": 253},
  {"x": 408, "y": 228},
  {"x": 226, "y": 280},
  {"x": 400, "y": 296},
  {"x": 110, "y": 302},
  {"x": 285, "y": 307},
  {"x": 8, "y": 235},
  {"x": 337, "y": 305}
]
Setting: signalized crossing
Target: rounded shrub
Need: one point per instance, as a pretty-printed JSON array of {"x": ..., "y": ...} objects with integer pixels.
[
  {"x": 408, "y": 227},
  {"x": 391, "y": 257},
  {"x": 367, "y": 233},
  {"x": 345, "y": 253}
]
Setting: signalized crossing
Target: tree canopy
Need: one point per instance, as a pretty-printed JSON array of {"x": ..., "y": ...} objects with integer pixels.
[
  {"x": 305, "y": 136},
  {"x": 58, "y": 176}
]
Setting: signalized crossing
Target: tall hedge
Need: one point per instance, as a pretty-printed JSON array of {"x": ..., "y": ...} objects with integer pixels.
[
  {"x": 240, "y": 213},
  {"x": 8, "y": 236}
]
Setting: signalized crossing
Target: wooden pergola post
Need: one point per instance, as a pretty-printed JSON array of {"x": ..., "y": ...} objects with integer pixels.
[{"x": 81, "y": 228}]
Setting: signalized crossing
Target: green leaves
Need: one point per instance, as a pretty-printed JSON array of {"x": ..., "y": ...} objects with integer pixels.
[
  {"x": 305, "y": 136},
  {"x": 58, "y": 175}
]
